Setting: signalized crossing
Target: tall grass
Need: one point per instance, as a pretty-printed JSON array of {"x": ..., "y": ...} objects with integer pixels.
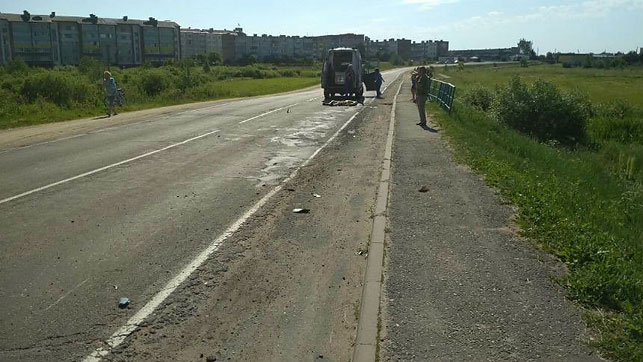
[
  {"x": 34, "y": 95},
  {"x": 583, "y": 203}
]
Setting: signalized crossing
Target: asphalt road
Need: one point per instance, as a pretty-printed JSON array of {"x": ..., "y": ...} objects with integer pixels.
[{"x": 119, "y": 210}]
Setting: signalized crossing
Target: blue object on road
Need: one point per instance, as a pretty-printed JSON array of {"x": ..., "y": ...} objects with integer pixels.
[{"x": 123, "y": 303}]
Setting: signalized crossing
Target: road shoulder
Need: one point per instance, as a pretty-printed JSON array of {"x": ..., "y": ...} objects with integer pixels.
[{"x": 460, "y": 284}]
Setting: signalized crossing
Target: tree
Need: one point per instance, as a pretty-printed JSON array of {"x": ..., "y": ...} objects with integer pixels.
[
  {"x": 362, "y": 50},
  {"x": 526, "y": 47},
  {"x": 550, "y": 57},
  {"x": 201, "y": 59},
  {"x": 396, "y": 60},
  {"x": 631, "y": 57},
  {"x": 17, "y": 65},
  {"x": 214, "y": 58}
]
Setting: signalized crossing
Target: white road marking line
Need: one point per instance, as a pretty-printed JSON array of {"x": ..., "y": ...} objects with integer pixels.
[
  {"x": 130, "y": 326},
  {"x": 67, "y": 294},
  {"x": 42, "y": 188},
  {"x": 267, "y": 113},
  {"x": 110, "y": 128}
]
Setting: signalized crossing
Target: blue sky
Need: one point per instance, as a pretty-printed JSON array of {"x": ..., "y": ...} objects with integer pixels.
[{"x": 565, "y": 25}]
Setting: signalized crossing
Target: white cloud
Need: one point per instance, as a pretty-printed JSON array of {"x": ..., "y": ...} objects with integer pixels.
[{"x": 430, "y": 4}]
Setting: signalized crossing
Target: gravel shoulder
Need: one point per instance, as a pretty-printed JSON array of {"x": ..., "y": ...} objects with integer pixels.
[{"x": 460, "y": 284}]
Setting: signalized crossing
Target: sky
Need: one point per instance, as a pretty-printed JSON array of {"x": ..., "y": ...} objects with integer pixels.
[{"x": 565, "y": 25}]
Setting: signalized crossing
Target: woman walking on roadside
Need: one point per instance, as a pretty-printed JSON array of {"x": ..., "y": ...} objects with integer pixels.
[{"x": 111, "y": 92}]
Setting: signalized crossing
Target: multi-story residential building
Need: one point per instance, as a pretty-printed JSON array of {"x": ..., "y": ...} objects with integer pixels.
[
  {"x": 486, "y": 54},
  {"x": 429, "y": 49},
  {"x": 283, "y": 47},
  {"x": 51, "y": 40},
  {"x": 200, "y": 41},
  {"x": 63, "y": 40}
]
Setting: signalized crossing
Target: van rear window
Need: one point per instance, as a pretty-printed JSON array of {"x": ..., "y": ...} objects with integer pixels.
[{"x": 341, "y": 60}]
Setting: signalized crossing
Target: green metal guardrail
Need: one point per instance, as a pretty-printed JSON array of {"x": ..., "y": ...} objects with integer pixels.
[{"x": 443, "y": 93}]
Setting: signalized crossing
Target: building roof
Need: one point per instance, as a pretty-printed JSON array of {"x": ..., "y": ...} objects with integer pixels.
[
  {"x": 84, "y": 20},
  {"x": 208, "y": 31}
]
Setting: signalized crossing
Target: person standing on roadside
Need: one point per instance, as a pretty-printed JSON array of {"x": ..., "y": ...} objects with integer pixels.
[
  {"x": 111, "y": 92},
  {"x": 414, "y": 78},
  {"x": 423, "y": 84},
  {"x": 378, "y": 83},
  {"x": 349, "y": 79}
]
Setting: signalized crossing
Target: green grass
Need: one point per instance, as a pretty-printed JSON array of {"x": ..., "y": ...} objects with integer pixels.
[
  {"x": 575, "y": 203},
  {"x": 602, "y": 85},
  {"x": 36, "y": 96}
]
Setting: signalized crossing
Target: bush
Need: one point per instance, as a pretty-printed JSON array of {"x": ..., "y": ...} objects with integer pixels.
[
  {"x": 153, "y": 82},
  {"x": 91, "y": 67},
  {"x": 543, "y": 111},
  {"x": 60, "y": 88},
  {"x": 479, "y": 97},
  {"x": 17, "y": 65}
]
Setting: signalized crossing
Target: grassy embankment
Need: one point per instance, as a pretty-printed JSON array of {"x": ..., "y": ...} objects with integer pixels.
[
  {"x": 31, "y": 96},
  {"x": 582, "y": 202}
]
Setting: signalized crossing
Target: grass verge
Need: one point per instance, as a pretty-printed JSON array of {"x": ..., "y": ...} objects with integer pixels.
[
  {"x": 571, "y": 202},
  {"x": 32, "y": 96}
]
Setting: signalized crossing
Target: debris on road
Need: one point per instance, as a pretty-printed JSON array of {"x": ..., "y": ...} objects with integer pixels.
[
  {"x": 123, "y": 303},
  {"x": 340, "y": 103},
  {"x": 423, "y": 189},
  {"x": 301, "y": 211}
]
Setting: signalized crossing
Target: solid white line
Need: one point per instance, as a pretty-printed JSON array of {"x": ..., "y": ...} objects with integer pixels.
[
  {"x": 267, "y": 113},
  {"x": 104, "y": 168},
  {"x": 42, "y": 188},
  {"x": 111, "y": 128},
  {"x": 130, "y": 326},
  {"x": 66, "y": 294}
]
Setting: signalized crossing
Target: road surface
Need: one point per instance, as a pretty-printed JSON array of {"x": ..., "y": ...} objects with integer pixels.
[
  {"x": 187, "y": 211},
  {"x": 118, "y": 211}
]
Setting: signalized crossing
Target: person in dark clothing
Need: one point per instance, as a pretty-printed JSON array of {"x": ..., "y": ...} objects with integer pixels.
[
  {"x": 414, "y": 80},
  {"x": 423, "y": 84},
  {"x": 349, "y": 79},
  {"x": 378, "y": 83}
]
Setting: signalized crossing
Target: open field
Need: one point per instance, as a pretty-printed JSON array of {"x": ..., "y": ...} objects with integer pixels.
[
  {"x": 31, "y": 96},
  {"x": 583, "y": 203},
  {"x": 602, "y": 85}
]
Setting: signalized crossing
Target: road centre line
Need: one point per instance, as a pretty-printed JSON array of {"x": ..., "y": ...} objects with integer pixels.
[
  {"x": 267, "y": 113},
  {"x": 133, "y": 323},
  {"x": 42, "y": 188}
]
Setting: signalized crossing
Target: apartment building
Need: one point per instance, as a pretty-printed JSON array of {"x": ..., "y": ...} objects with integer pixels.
[{"x": 51, "y": 40}]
